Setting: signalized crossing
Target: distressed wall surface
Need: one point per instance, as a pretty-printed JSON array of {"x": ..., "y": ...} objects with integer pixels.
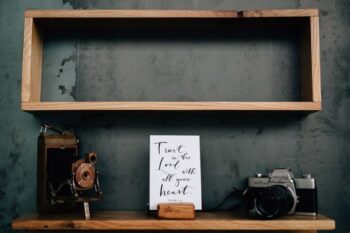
[{"x": 233, "y": 145}]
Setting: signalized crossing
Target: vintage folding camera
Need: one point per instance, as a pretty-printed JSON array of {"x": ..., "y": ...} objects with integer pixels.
[
  {"x": 279, "y": 193},
  {"x": 65, "y": 179}
]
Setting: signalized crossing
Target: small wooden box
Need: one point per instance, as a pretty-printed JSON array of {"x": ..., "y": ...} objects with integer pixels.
[{"x": 176, "y": 210}]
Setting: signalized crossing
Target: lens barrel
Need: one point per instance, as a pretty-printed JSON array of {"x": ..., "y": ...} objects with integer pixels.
[{"x": 274, "y": 201}]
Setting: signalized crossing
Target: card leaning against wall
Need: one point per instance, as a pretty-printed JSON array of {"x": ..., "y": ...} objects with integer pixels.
[{"x": 175, "y": 172}]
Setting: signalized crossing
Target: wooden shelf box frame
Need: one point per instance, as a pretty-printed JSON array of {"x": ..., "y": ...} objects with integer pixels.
[{"x": 33, "y": 55}]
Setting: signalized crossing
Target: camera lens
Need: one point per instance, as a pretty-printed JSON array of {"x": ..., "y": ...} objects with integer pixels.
[
  {"x": 93, "y": 158},
  {"x": 274, "y": 201}
]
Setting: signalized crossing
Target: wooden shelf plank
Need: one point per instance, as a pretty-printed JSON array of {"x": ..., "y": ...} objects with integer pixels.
[
  {"x": 133, "y": 220},
  {"x": 169, "y": 13},
  {"x": 130, "y": 14},
  {"x": 171, "y": 106},
  {"x": 279, "y": 13}
]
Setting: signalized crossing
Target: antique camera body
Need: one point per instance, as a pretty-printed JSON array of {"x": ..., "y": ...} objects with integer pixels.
[
  {"x": 64, "y": 179},
  {"x": 279, "y": 193}
]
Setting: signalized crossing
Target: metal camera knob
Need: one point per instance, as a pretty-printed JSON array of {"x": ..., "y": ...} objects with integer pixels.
[
  {"x": 307, "y": 176},
  {"x": 258, "y": 175}
]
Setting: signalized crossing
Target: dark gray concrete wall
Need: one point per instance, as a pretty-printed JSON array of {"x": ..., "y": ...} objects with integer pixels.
[{"x": 233, "y": 145}]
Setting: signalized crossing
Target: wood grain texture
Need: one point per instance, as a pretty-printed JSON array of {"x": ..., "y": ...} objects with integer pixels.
[
  {"x": 172, "y": 106},
  {"x": 36, "y": 64},
  {"x": 176, "y": 211},
  {"x": 240, "y": 231},
  {"x": 130, "y": 14},
  {"x": 279, "y": 13},
  {"x": 32, "y": 62},
  {"x": 26, "y": 62},
  {"x": 307, "y": 231},
  {"x": 315, "y": 59},
  {"x": 133, "y": 220}
]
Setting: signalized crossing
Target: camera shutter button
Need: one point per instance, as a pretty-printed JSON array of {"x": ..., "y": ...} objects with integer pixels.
[
  {"x": 258, "y": 175},
  {"x": 307, "y": 176}
]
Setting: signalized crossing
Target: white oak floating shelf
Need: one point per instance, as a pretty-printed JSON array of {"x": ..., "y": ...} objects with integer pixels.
[
  {"x": 134, "y": 220},
  {"x": 37, "y": 21}
]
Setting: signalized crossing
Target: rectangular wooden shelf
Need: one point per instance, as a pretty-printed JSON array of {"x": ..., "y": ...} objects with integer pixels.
[
  {"x": 172, "y": 106},
  {"x": 133, "y": 220},
  {"x": 37, "y": 21},
  {"x": 169, "y": 13}
]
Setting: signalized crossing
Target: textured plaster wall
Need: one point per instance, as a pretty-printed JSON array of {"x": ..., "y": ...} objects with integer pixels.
[{"x": 233, "y": 145}]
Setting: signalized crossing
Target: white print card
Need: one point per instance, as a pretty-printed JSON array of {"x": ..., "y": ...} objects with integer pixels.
[{"x": 175, "y": 170}]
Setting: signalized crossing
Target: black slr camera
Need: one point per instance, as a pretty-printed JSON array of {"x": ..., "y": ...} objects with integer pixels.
[{"x": 279, "y": 193}]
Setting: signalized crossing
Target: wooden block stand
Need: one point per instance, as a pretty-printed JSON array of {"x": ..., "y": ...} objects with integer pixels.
[
  {"x": 176, "y": 211},
  {"x": 38, "y": 21}
]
